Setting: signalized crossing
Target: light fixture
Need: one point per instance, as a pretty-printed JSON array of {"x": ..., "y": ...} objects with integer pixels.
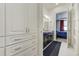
[
  {"x": 57, "y": 3},
  {"x": 46, "y": 16}
]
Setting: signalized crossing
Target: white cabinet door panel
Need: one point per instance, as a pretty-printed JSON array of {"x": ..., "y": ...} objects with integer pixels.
[
  {"x": 32, "y": 18},
  {"x": 15, "y": 39},
  {"x": 2, "y": 20},
  {"x": 1, "y": 51},
  {"x": 16, "y": 48},
  {"x": 28, "y": 52},
  {"x": 15, "y": 18},
  {"x": 2, "y": 43}
]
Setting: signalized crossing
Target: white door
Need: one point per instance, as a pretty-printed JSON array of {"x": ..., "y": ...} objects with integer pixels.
[
  {"x": 15, "y": 18},
  {"x": 32, "y": 23},
  {"x": 2, "y": 20},
  {"x": 32, "y": 18}
]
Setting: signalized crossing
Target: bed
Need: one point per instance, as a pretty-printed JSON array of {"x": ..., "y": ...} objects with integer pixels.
[{"x": 61, "y": 34}]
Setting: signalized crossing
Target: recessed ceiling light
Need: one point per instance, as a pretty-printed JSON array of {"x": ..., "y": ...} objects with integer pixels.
[{"x": 57, "y": 3}]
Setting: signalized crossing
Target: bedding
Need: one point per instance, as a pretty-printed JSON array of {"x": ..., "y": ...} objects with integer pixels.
[{"x": 61, "y": 34}]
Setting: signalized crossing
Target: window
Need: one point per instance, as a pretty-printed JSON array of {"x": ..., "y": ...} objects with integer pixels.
[{"x": 65, "y": 25}]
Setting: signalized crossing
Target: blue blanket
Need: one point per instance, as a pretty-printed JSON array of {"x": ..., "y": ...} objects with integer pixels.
[{"x": 62, "y": 34}]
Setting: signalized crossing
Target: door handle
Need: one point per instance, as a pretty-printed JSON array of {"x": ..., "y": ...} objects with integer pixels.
[
  {"x": 17, "y": 39},
  {"x": 27, "y": 30}
]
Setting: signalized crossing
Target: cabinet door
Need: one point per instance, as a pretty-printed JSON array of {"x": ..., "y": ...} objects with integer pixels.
[
  {"x": 32, "y": 18},
  {"x": 1, "y": 51},
  {"x": 2, "y": 46},
  {"x": 2, "y": 20},
  {"x": 32, "y": 25},
  {"x": 15, "y": 18}
]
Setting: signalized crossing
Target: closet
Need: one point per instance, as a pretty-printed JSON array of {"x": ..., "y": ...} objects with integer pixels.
[{"x": 19, "y": 29}]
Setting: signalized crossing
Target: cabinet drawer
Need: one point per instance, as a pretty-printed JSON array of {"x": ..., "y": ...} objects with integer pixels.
[
  {"x": 32, "y": 35},
  {"x": 2, "y": 39},
  {"x": 15, "y": 39},
  {"x": 32, "y": 51},
  {"x": 16, "y": 48},
  {"x": 28, "y": 52},
  {"x": 1, "y": 51}
]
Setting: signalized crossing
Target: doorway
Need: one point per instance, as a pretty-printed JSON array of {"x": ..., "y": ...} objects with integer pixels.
[
  {"x": 60, "y": 32},
  {"x": 61, "y": 26}
]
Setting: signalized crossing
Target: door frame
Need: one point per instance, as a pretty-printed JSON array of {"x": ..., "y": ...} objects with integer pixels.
[{"x": 68, "y": 27}]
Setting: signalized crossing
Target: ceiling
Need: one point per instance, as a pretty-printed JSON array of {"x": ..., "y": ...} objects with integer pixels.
[{"x": 50, "y": 6}]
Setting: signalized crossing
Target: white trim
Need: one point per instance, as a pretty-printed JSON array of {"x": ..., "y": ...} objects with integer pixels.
[{"x": 47, "y": 45}]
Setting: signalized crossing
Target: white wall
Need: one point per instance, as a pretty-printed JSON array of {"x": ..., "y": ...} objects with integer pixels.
[
  {"x": 40, "y": 29},
  {"x": 76, "y": 28},
  {"x": 47, "y": 21}
]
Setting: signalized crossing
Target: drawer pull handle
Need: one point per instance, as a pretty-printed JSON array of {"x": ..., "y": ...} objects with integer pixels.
[
  {"x": 17, "y": 48},
  {"x": 17, "y": 39}
]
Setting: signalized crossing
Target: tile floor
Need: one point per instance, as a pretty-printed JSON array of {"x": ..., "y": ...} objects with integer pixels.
[{"x": 64, "y": 50}]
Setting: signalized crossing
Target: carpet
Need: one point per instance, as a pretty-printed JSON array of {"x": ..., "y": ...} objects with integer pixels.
[{"x": 52, "y": 49}]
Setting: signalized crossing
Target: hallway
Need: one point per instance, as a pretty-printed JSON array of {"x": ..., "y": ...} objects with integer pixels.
[
  {"x": 60, "y": 24},
  {"x": 65, "y": 51}
]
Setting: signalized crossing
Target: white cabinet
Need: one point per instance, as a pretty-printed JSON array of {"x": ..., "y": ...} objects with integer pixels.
[
  {"x": 32, "y": 18},
  {"x": 18, "y": 29},
  {"x": 16, "y": 39},
  {"x": 2, "y": 46},
  {"x": 28, "y": 52},
  {"x": 15, "y": 18},
  {"x": 16, "y": 48},
  {"x": 21, "y": 19},
  {"x": 2, "y": 29},
  {"x": 2, "y": 42},
  {"x": 2, "y": 20},
  {"x": 1, "y": 51}
]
